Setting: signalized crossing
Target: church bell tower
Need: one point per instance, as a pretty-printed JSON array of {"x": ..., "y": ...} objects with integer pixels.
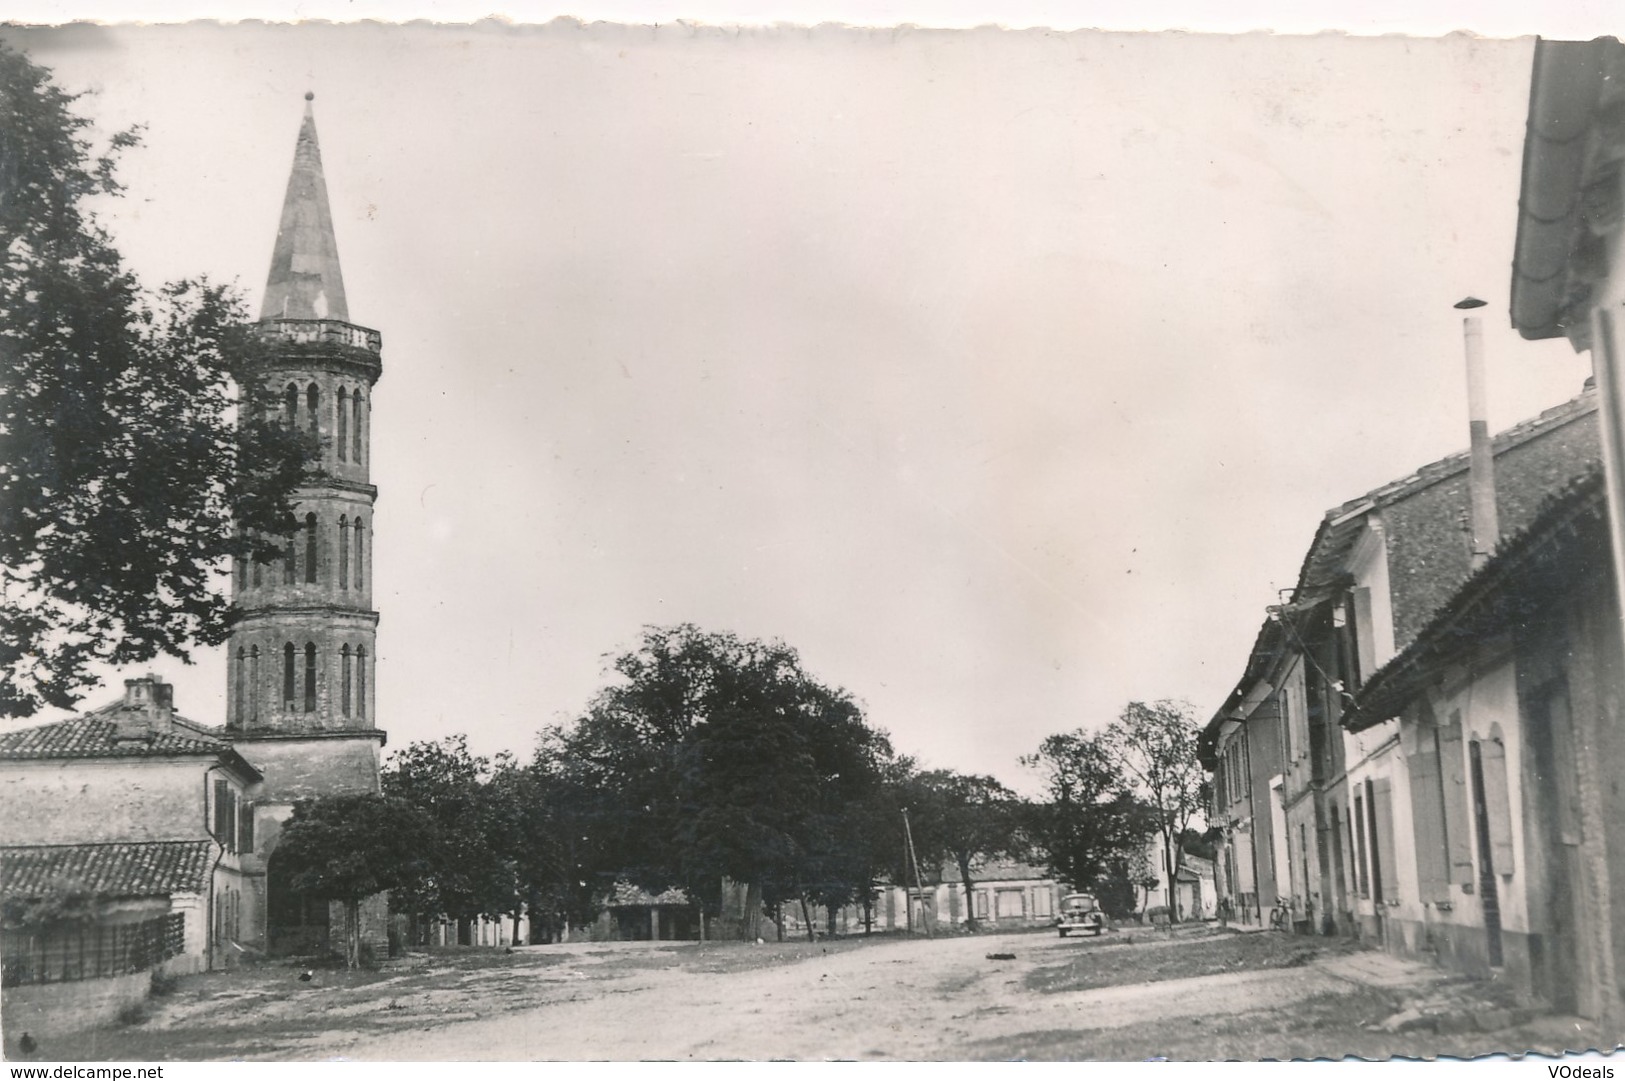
[{"x": 302, "y": 659}]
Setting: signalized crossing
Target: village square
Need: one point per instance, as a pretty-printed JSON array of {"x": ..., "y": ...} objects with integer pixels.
[{"x": 763, "y": 629}]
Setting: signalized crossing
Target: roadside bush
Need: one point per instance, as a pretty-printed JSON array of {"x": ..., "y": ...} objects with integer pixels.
[
  {"x": 133, "y": 1014},
  {"x": 1156, "y": 915},
  {"x": 163, "y": 983}
]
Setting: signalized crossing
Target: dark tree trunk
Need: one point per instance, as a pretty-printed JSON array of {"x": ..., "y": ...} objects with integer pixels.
[
  {"x": 806, "y": 918},
  {"x": 963, "y": 859}
]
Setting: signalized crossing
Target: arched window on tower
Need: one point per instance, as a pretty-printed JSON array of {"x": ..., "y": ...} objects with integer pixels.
[
  {"x": 289, "y": 568},
  {"x": 355, "y": 429},
  {"x": 360, "y": 681},
  {"x": 344, "y": 680},
  {"x": 242, "y": 677},
  {"x": 287, "y": 676},
  {"x": 342, "y": 415},
  {"x": 310, "y": 677},
  {"x": 310, "y": 547},
  {"x": 313, "y": 398},
  {"x": 360, "y": 550},
  {"x": 344, "y": 551},
  {"x": 290, "y": 407},
  {"x": 253, "y": 683}
]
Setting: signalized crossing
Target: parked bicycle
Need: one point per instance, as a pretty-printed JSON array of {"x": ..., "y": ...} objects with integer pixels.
[{"x": 1281, "y": 915}]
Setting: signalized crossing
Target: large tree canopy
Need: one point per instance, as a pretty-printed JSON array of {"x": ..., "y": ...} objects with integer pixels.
[
  {"x": 713, "y": 757},
  {"x": 125, "y": 479},
  {"x": 347, "y": 848}
]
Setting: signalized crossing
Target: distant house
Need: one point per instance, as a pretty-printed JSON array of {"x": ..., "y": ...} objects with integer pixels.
[
  {"x": 1193, "y": 894},
  {"x": 128, "y": 847}
]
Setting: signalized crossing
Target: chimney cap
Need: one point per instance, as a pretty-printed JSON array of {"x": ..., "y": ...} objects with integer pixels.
[{"x": 1469, "y": 302}]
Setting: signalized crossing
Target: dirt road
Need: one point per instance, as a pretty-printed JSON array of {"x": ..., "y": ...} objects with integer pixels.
[
  {"x": 1193, "y": 994},
  {"x": 942, "y": 999}
]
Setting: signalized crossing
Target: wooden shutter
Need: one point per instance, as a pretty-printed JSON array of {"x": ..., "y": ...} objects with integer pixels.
[
  {"x": 1361, "y": 867},
  {"x": 1458, "y": 833},
  {"x": 222, "y": 791},
  {"x": 245, "y": 831},
  {"x": 1365, "y": 646},
  {"x": 1427, "y": 815},
  {"x": 1492, "y": 755},
  {"x": 1382, "y": 813}
]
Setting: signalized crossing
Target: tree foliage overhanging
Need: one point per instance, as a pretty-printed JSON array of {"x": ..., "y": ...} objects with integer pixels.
[{"x": 125, "y": 479}]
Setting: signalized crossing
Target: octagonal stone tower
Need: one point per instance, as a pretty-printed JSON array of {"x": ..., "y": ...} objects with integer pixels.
[
  {"x": 300, "y": 674},
  {"x": 302, "y": 659}
]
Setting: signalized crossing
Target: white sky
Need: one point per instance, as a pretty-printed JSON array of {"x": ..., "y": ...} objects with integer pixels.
[{"x": 1006, "y": 375}]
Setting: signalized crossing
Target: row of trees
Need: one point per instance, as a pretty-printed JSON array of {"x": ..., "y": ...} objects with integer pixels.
[{"x": 712, "y": 758}]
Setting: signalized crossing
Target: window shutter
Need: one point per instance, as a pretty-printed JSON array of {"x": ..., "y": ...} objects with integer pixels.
[
  {"x": 1458, "y": 835},
  {"x": 245, "y": 831},
  {"x": 1382, "y": 806},
  {"x": 221, "y": 791},
  {"x": 1364, "y": 642},
  {"x": 1493, "y": 761},
  {"x": 1361, "y": 867},
  {"x": 1432, "y": 867}
]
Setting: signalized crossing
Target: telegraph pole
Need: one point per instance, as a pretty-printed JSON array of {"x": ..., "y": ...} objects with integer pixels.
[{"x": 919, "y": 886}]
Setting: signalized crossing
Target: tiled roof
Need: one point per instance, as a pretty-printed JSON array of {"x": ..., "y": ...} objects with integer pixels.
[
  {"x": 1000, "y": 871},
  {"x": 149, "y": 869},
  {"x": 95, "y": 735},
  {"x": 1537, "y": 562},
  {"x": 1574, "y": 93}
]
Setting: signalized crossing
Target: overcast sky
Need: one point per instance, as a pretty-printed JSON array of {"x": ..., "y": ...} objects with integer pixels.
[{"x": 1006, "y": 375}]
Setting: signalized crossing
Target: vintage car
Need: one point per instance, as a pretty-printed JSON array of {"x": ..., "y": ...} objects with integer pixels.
[{"x": 1080, "y": 912}]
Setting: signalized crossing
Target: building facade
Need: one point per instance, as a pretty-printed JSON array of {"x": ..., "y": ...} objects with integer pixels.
[{"x": 129, "y": 833}]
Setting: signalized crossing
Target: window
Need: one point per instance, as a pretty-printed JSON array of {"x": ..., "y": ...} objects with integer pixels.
[
  {"x": 1283, "y": 710},
  {"x": 245, "y": 826},
  {"x": 360, "y": 551},
  {"x": 1345, "y": 620},
  {"x": 355, "y": 429},
  {"x": 310, "y": 547},
  {"x": 310, "y": 677},
  {"x": 981, "y": 904},
  {"x": 253, "y": 683},
  {"x": 225, "y": 815},
  {"x": 344, "y": 551},
  {"x": 314, "y": 398},
  {"x": 342, "y": 414},
  {"x": 344, "y": 684},
  {"x": 1042, "y": 902},
  {"x": 241, "y": 675},
  {"x": 287, "y": 676},
  {"x": 289, "y": 569},
  {"x": 290, "y": 407},
  {"x": 360, "y": 681}
]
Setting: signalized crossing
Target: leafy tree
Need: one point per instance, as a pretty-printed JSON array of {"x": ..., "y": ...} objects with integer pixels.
[
  {"x": 466, "y": 867},
  {"x": 713, "y": 757},
  {"x": 968, "y": 818},
  {"x": 1091, "y": 823},
  {"x": 125, "y": 477},
  {"x": 1155, "y": 747},
  {"x": 348, "y": 848}
]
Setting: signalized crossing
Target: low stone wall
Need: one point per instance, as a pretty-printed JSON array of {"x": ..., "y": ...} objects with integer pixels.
[{"x": 45, "y": 1010}]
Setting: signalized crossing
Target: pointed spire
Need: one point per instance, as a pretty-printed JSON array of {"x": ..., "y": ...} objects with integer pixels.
[{"x": 305, "y": 282}]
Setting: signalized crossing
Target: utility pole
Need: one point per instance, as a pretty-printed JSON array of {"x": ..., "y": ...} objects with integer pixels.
[{"x": 919, "y": 886}]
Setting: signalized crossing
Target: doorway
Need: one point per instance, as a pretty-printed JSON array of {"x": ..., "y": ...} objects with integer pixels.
[{"x": 1488, "y": 887}]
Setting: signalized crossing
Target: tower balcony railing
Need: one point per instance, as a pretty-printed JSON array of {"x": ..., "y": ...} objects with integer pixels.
[{"x": 322, "y": 332}]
